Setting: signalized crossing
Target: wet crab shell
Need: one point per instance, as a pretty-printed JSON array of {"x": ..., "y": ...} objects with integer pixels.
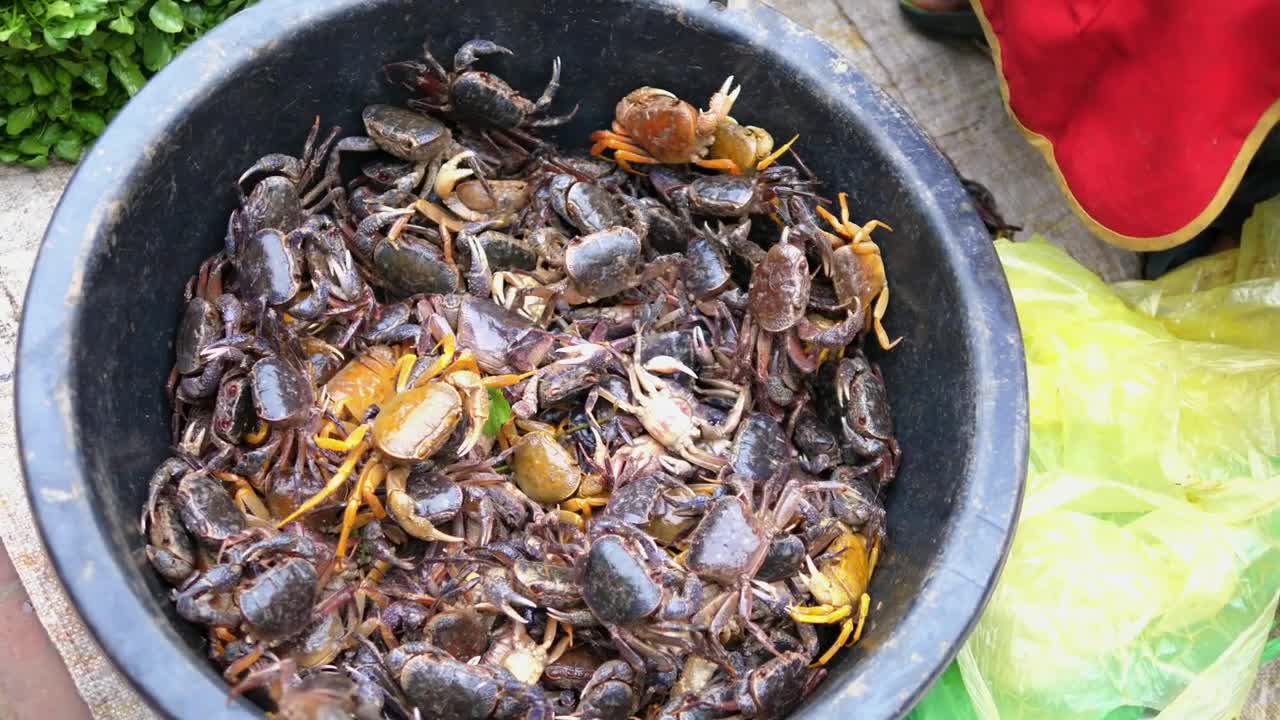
[
  {"x": 278, "y": 602},
  {"x": 504, "y": 252},
  {"x": 200, "y": 326},
  {"x": 724, "y": 542},
  {"x": 269, "y": 268},
  {"x": 416, "y": 423},
  {"x": 589, "y": 207},
  {"x": 169, "y": 547},
  {"x": 411, "y": 266},
  {"x": 615, "y": 584},
  {"x": 233, "y": 410},
  {"x": 547, "y": 584},
  {"x": 406, "y": 134},
  {"x": 784, "y": 559},
  {"x": 759, "y": 449},
  {"x": 779, "y": 288},
  {"x": 723, "y": 196},
  {"x": 281, "y": 394},
  {"x": 450, "y": 689},
  {"x": 486, "y": 98},
  {"x": 745, "y": 145},
  {"x": 706, "y": 270},
  {"x": 274, "y": 204},
  {"x": 429, "y": 497},
  {"x": 461, "y": 633},
  {"x": 543, "y": 469},
  {"x": 502, "y": 197},
  {"x": 663, "y": 124},
  {"x": 611, "y": 692},
  {"x": 857, "y": 275},
  {"x": 603, "y": 263},
  {"x": 208, "y": 512},
  {"x": 365, "y": 380},
  {"x": 775, "y": 688}
]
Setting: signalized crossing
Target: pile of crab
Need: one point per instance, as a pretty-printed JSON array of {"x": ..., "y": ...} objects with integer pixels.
[{"x": 492, "y": 429}]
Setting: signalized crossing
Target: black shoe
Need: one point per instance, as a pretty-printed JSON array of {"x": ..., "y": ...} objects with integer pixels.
[{"x": 955, "y": 24}]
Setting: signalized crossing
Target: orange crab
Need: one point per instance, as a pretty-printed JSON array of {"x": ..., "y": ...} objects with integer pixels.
[
  {"x": 415, "y": 420},
  {"x": 857, "y": 270},
  {"x": 653, "y": 126}
]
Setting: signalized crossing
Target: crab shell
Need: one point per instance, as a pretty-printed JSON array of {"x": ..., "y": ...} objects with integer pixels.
[
  {"x": 672, "y": 130},
  {"x": 416, "y": 423},
  {"x": 858, "y": 274},
  {"x": 779, "y": 290}
]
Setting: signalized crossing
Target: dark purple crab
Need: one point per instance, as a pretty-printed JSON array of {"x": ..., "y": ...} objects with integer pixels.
[{"x": 474, "y": 95}]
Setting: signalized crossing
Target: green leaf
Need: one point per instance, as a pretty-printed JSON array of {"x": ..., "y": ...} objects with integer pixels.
[
  {"x": 1271, "y": 650},
  {"x": 62, "y": 79},
  {"x": 59, "y": 106},
  {"x": 85, "y": 26},
  {"x": 17, "y": 93},
  {"x": 156, "y": 50},
  {"x": 63, "y": 30},
  {"x": 166, "y": 16},
  {"x": 194, "y": 14},
  {"x": 51, "y": 134},
  {"x": 69, "y": 147},
  {"x": 60, "y": 8},
  {"x": 40, "y": 83},
  {"x": 119, "y": 45},
  {"x": 95, "y": 73},
  {"x": 8, "y": 156},
  {"x": 31, "y": 145},
  {"x": 121, "y": 25},
  {"x": 499, "y": 412},
  {"x": 52, "y": 39},
  {"x": 127, "y": 72},
  {"x": 19, "y": 119},
  {"x": 71, "y": 66},
  {"x": 90, "y": 122},
  {"x": 39, "y": 161}
]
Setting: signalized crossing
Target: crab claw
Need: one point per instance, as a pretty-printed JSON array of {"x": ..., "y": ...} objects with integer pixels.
[
  {"x": 401, "y": 507},
  {"x": 474, "y": 50},
  {"x": 450, "y": 174},
  {"x": 667, "y": 365},
  {"x": 718, "y": 107},
  {"x": 722, "y": 102},
  {"x": 499, "y": 594},
  {"x": 579, "y": 353}
]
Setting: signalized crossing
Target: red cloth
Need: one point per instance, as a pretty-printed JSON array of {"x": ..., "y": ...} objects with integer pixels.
[{"x": 1146, "y": 103}]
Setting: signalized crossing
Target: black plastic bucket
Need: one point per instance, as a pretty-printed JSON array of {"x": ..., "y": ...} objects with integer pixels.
[{"x": 151, "y": 200}]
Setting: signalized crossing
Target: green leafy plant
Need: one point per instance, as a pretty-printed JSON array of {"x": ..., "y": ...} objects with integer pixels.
[
  {"x": 499, "y": 412},
  {"x": 67, "y": 66}
]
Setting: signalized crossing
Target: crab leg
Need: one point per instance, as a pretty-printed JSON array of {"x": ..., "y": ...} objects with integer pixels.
[
  {"x": 725, "y": 164},
  {"x": 773, "y": 157},
  {"x": 882, "y": 303},
  {"x": 377, "y": 472},
  {"x": 352, "y": 440},
  {"x": 335, "y": 482},
  {"x": 846, "y": 628},
  {"x": 404, "y": 368}
]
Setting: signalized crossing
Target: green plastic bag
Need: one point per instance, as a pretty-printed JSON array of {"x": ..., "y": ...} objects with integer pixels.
[{"x": 1145, "y": 570}]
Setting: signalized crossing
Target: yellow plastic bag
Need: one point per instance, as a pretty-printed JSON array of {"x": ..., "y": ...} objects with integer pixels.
[{"x": 1145, "y": 571}]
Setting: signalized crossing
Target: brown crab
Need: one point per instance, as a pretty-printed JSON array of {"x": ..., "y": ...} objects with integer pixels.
[{"x": 653, "y": 126}]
